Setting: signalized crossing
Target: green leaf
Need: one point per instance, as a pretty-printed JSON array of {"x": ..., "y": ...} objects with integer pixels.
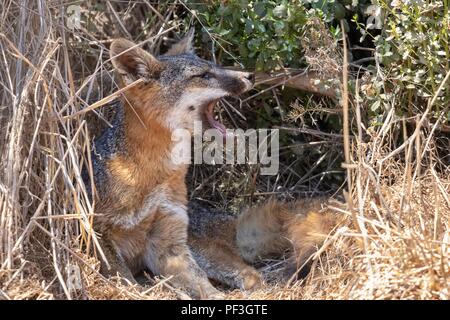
[
  {"x": 261, "y": 27},
  {"x": 339, "y": 11},
  {"x": 375, "y": 106},
  {"x": 243, "y": 4},
  {"x": 260, "y": 9},
  {"x": 249, "y": 26},
  {"x": 279, "y": 26},
  {"x": 280, "y": 11}
]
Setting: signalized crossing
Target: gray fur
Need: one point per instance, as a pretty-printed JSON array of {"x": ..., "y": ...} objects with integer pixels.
[{"x": 106, "y": 147}]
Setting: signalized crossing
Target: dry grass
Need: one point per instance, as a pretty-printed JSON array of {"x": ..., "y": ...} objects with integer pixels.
[{"x": 394, "y": 242}]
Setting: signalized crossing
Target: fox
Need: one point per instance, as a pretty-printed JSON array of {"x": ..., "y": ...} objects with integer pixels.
[{"x": 139, "y": 191}]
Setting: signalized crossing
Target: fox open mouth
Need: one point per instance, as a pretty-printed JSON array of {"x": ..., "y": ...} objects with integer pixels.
[{"x": 209, "y": 114}]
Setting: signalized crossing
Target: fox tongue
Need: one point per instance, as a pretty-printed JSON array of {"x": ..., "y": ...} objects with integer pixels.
[{"x": 214, "y": 123}]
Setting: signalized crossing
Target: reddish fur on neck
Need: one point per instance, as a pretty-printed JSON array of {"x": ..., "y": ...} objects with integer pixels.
[{"x": 148, "y": 142}]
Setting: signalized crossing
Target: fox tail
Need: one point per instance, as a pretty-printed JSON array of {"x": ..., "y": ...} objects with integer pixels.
[{"x": 276, "y": 228}]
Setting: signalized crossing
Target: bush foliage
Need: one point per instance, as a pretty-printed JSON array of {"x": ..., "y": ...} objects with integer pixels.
[
  {"x": 413, "y": 48},
  {"x": 264, "y": 34},
  {"x": 409, "y": 40}
]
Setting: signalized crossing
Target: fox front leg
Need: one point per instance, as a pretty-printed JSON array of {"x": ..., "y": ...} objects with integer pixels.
[
  {"x": 222, "y": 263},
  {"x": 168, "y": 254},
  {"x": 117, "y": 264}
]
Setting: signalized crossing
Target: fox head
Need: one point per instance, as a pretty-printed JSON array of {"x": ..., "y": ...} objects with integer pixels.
[{"x": 178, "y": 87}]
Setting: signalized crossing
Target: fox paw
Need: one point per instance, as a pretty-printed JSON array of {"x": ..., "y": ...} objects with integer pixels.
[
  {"x": 213, "y": 294},
  {"x": 251, "y": 279},
  {"x": 216, "y": 296}
]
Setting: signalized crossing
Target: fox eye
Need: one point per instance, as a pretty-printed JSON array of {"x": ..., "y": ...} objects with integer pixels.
[{"x": 205, "y": 75}]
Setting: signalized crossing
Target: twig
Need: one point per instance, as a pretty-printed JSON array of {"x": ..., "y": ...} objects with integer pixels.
[
  {"x": 299, "y": 79},
  {"x": 105, "y": 100}
]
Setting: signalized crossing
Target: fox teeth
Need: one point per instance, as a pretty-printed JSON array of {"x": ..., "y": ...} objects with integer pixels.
[{"x": 213, "y": 119}]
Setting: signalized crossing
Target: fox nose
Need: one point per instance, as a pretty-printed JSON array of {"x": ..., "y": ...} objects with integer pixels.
[{"x": 250, "y": 77}]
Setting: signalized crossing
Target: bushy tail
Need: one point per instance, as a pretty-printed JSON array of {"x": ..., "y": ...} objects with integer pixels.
[{"x": 276, "y": 228}]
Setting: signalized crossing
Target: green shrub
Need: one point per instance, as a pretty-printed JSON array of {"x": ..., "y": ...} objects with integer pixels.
[
  {"x": 413, "y": 51},
  {"x": 264, "y": 34}
]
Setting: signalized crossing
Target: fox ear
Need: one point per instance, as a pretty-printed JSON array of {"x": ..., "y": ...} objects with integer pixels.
[
  {"x": 185, "y": 45},
  {"x": 132, "y": 62}
]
